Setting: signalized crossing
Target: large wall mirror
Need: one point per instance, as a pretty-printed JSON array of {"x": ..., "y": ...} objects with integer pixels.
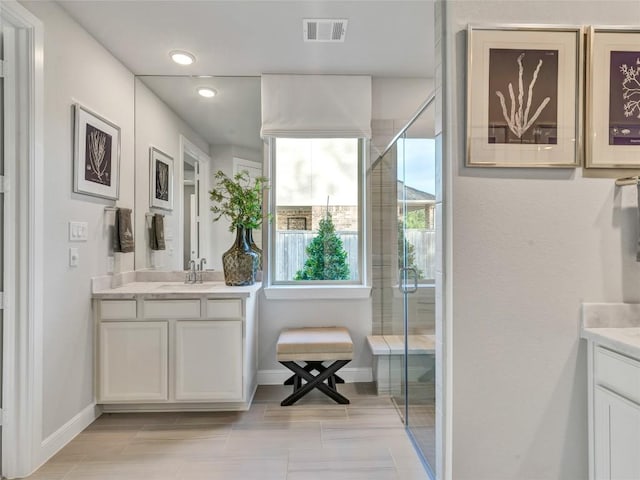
[{"x": 199, "y": 135}]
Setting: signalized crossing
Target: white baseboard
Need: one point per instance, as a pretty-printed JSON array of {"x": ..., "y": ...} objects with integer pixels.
[
  {"x": 350, "y": 375},
  {"x": 58, "y": 439}
]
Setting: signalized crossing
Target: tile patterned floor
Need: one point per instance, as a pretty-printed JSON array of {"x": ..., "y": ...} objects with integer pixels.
[{"x": 314, "y": 439}]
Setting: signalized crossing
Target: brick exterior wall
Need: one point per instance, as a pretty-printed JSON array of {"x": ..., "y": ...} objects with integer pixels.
[
  {"x": 294, "y": 218},
  {"x": 345, "y": 217}
]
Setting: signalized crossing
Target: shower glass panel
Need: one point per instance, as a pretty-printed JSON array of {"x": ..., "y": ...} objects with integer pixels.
[
  {"x": 403, "y": 241},
  {"x": 417, "y": 159}
]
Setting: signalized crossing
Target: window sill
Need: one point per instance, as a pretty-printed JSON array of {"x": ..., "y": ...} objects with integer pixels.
[{"x": 316, "y": 292}]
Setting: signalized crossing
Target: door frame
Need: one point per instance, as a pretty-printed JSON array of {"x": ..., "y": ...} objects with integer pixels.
[
  {"x": 23, "y": 339},
  {"x": 204, "y": 160}
]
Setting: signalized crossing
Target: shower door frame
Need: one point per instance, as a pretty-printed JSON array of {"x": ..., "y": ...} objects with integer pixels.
[{"x": 402, "y": 281}]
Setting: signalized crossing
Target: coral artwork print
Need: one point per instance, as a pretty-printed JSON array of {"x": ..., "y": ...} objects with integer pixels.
[
  {"x": 162, "y": 181},
  {"x": 97, "y": 156},
  {"x": 624, "y": 98},
  {"x": 523, "y": 96}
]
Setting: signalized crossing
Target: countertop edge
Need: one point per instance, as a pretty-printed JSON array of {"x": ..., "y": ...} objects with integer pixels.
[
  {"x": 168, "y": 295},
  {"x": 603, "y": 337},
  {"x": 147, "y": 290}
]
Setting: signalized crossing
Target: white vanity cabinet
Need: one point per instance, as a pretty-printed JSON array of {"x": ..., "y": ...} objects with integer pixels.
[
  {"x": 612, "y": 331},
  {"x": 133, "y": 361},
  {"x": 616, "y": 436},
  {"x": 176, "y": 353},
  {"x": 616, "y": 416},
  {"x": 208, "y": 360},
  {"x": 209, "y": 354}
]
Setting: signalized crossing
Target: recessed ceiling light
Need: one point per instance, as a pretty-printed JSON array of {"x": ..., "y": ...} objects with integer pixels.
[
  {"x": 182, "y": 58},
  {"x": 206, "y": 92}
]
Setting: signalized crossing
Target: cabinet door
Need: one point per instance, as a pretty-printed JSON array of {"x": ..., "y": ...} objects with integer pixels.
[
  {"x": 616, "y": 437},
  {"x": 133, "y": 362},
  {"x": 208, "y": 360}
]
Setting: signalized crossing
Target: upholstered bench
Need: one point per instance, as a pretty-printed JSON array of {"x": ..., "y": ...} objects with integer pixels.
[{"x": 304, "y": 351}]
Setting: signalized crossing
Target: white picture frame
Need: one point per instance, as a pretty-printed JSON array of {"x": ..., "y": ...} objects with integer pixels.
[
  {"x": 160, "y": 179},
  {"x": 524, "y": 96},
  {"x": 96, "y": 154},
  {"x": 613, "y": 99}
]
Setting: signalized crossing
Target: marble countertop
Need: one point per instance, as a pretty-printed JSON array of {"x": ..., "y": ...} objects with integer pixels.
[
  {"x": 613, "y": 325},
  {"x": 166, "y": 285}
]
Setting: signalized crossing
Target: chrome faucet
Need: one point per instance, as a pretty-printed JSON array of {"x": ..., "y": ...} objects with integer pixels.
[
  {"x": 203, "y": 262},
  {"x": 191, "y": 276}
]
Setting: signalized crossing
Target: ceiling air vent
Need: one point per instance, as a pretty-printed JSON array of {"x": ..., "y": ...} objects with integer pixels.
[{"x": 324, "y": 30}]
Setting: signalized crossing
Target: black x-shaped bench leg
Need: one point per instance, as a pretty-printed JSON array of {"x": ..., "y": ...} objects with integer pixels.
[
  {"x": 300, "y": 390},
  {"x": 319, "y": 367}
]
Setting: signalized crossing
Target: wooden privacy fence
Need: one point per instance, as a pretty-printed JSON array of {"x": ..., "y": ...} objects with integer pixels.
[
  {"x": 424, "y": 243},
  {"x": 291, "y": 251}
]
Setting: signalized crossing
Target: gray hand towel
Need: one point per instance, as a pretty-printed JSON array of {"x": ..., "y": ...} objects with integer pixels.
[
  {"x": 156, "y": 235},
  {"x": 123, "y": 241}
]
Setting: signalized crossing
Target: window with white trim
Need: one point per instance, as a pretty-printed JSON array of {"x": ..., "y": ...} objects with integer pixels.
[{"x": 317, "y": 220}]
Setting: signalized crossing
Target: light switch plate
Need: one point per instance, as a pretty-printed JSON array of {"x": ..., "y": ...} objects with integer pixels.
[{"x": 78, "y": 231}]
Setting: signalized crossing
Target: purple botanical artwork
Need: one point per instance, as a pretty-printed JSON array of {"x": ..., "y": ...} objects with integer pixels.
[
  {"x": 162, "y": 181},
  {"x": 97, "y": 157},
  {"x": 528, "y": 115},
  {"x": 624, "y": 98}
]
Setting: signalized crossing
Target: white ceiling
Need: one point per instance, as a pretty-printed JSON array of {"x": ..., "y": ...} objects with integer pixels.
[{"x": 247, "y": 38}]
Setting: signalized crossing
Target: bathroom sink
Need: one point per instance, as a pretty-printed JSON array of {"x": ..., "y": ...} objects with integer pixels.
[{"x": 178, "y": 286}]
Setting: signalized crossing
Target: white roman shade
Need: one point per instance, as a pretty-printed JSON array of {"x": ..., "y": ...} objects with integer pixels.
[{"x": 316, "y": 106}]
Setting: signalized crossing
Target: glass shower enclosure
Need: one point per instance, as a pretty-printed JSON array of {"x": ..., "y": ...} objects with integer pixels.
[{"x": 402, "y": 181}]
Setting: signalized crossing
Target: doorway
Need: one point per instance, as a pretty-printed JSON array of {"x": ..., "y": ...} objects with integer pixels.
[
  {"x": 194, "y": 186},
  {"x": 191, "y": 224},
  {"x": 21, "y": 187}
]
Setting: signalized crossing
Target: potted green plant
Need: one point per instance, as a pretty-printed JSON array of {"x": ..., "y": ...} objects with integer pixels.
[{"x": 239, "y": 200}]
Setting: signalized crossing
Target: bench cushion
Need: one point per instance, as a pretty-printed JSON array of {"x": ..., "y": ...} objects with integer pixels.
[{"x": 315, "y": 343}]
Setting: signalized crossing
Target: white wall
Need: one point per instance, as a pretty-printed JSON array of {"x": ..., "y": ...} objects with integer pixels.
[
  {"x": 527, "y": 247},
  {"x": 275, "y": 315},
  {"x": 76, "y": 69},
  {"x": 158, "y": 126}
]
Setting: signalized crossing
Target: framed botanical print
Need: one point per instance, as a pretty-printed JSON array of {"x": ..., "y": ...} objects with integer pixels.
[
  {"x": 613, "y": 97},
  {"x": 524, "y": 95},
  {"x": 96, "y": 156},
  {"x": 160, "y": 179}
]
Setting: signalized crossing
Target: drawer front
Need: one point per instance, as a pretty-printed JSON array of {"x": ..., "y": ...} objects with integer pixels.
[
  {"x": 618, "y": 373},
  {"x": 117, "y": 309},
  {"x": 227, "y": 308},
  {"x": 172, "y": 308}
]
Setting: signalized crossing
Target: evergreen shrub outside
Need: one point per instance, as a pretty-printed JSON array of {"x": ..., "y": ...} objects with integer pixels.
[{"x": 327, "y": 259}]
